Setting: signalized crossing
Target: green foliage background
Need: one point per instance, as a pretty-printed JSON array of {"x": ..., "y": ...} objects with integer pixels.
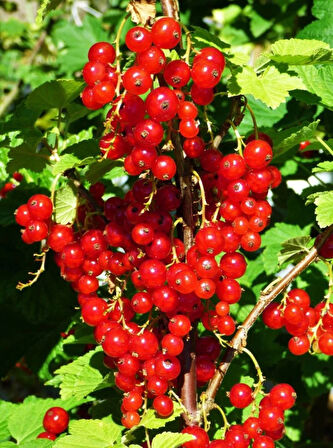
[{"x": 289, "y": 85}]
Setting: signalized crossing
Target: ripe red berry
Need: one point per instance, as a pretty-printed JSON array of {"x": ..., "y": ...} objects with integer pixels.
[
  {"x": 93, "y": 72},
  {"x": 153, "y": 60},
  {"x": 56, "y": 420},
  {"x": 163, "y": 405},
  {"x": 148, "y": 132},
  {"x": 167, "y": 367},
  {"x": 138, "y": 39},
  {"x": 233, "y": 265},
  {"x": 201, "y": 437},
  {"x": 40, "y": 207},
  {"x": 46, "y": 435},
  {"x": 271, "y": 418},
  {"x": 166, "y": 33},
  {"x": 130, "y": 419},
  {"x": 93, "y": 311},
  {"x": 283, "y": 395},
  {"x": 102, "y": 52},
  {"x": 164, "y": 168},
  {"x": 210, "y": 54},
  {"x": 240, "y": 395},
  {"x": 116, "y": 342},
  {"x": 162, "y": 104},
  {"x": 136, "y": 80},
  {"x": 179, "y": 325},
  {"x": 201, "y": 96},
  {"x": 258, "y": 154},
  {"x": 177, "y": 73},
  {"x": 206, "y": 74},
  {"x": 263, "y": 442},
  {"x": 132, "y": 401},
  {"x": 22, "y": 215}
]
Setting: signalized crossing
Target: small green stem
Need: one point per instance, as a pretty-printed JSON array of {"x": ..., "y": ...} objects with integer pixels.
[
  {"x": 249, "y": 108},
  {"x": 325, "y": 145}
]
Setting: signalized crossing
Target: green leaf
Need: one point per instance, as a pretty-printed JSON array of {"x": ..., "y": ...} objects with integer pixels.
[
  {"x": 6, "y": 409},
  {"x": 90, "y": 434},
  {"x": 74, "y": 41},
  {"x": 300, "y": 52},
  {"x": 152, "y": 421},
  {"x": 320, "y": 29},
  {"x": 323, "y": 167},
  {"x": 26, "y": 421},
  {"x": 204, "y": 38},
  {"x": 98, "y": 169},
  {"x": 324, "y": 209},
  {"x": 318, "y": 81},
  {"x": 38, "y": 443},
  {"x": 170, "y": 440},
  {"x": 82, "y": 376},
  {"x": 65, "y": 204},
  {"x": 258, "y": 24},
  {"x": 289, "y": 138},
  {"x": 79, "y": 154},
  {"x": 54, "y": 94},
  {"x": 270, "y": 86},
  {"x": 26, "y": 156},
  {"x": 316, "y": 374},
  {"x": 294, "y": 249},
  {"x": 45, "y": 7},
  {"x": 272, "y": 241}
]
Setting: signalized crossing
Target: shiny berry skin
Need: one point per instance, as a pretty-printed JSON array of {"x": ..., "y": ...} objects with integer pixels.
[
  {"x": 252, "y": 428},
  {"x": 144, "y": 157},
  {"x": 148, "y": 132},
  {"x": 59, "y": 237},
  {"x": 229, "y": 210},
  {"x": 136, "y": 80},
  {"x": 202, "y": 96},
  {"x": 163, "y": 405},
  {"x": 153, "y": 273},
  {"x": 273, "y": 317},
  {"x": 299, "y": 345},
  {"x": 46, "y": 435},
  {"x": 210, "y": 160},
  {"x": 219, "y": 443},
  {"x": 206, "y": 267},
  {"x": 271, "y": 418},
  {"x": 142, "y": 234},
  {"x": 102, "y": 327},
  {"x": 160, "y": 247},
  {"x": 132, "y": 401},
  {"x": 226, "y": 325},
  {"x": 72, "y": 255},
  {"x": 88, "y": 98},
  {"x": 40, "y": 207},
  {"x": 283, "y": 395},
  {"x": 104, "y": 92},
  {"x": 56, "y": 420},
  {"x": 162, "y": 104},
  {"x": 141, "y": 302},
  {"x": 228, "y": 290},
  {"x": 210, "y": 54},
  {"x": 276, "y": 176},
  {"x": 233, "y": 265},
  {"x": 102, "y": 52},
  {"x": 128, "y": 364},
  {"x": 116, "y": 342},
  {"x": 263, "y": 442},
  {"x": 201, "y": 437},
  {"x": 138, "y": 39},
  {"x": 205, "y": 368},
  {"x": 167, "y": 367},
  {"x": 93, "y": 243},
  {"x": 238, "y": 190},
  {"x": 237, "y": 437},
  {"x": 187, "y": 110},
  {"x": 165, "y": 298},
  {"x": 206, "y": 74},
  {"x": 325, "y": 343},
  {"x": 209, "y": 241},
  {"x": 259, "y": 181},
  {"x": 93, "y": 311},
  {"x": 293, "y": 314},
  {"x": 232, "y": 166},
  {"x": 164, "y": 168},
  {"x": 130, "y": 419},
  {"x": 87, "y": 284},
  {"x": 157, "y": 385},
  {"x": 36, "y": 230},
  {"x": 93, "y": 72},
  {"x": 299, "y": 297},
  {"x": 240, "y": 395},
  {"x": 153, "y": 60},
  {"x": 22, "y": 215},
  {"x": 251, "y": 241},
  {"x": 179, "y": 325},
  {"x": 132, "y": 109},
  {"x": 258, "y": 154},
  {"x": 172, "y": 345},
  {"x": 177, "y": 73},
  {"x": 240, "y": 225},
  {"x": 166, "y": 33},
  {"x": 189, "y": 128},
  {"x": 144, "y": 345}
]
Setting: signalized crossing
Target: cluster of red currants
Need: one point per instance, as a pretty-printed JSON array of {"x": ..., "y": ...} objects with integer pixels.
[
  {"x": 55, "y": 421},
  {"x": 262, "y": 430},
  {"x": 311, "y": 328},
  {"x": 35, "y": 217}
]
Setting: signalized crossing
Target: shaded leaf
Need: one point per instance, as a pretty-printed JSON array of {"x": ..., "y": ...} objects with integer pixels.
[
  {"x": 300, "y": 52},
  {"x": 152, "y": 421},
  {"x": 65, "y": 204},
  {"x": 294, "y": 249}
]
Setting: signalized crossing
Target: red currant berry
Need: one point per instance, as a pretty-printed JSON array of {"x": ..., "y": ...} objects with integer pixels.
[
  {"x": 56, "y": 420},
  {"x": 240, "y": 395},
  {"x": 138, "y": 39},
  {"x": 166, "y": 33}
]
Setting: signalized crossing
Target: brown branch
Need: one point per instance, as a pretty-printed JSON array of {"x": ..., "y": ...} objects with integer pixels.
[
  {"x": 266, "y": 297},
  {"x": 12, "y": 94},
  {"x": 170, "y": 8},
  {"x": 235, "y": 116}
]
